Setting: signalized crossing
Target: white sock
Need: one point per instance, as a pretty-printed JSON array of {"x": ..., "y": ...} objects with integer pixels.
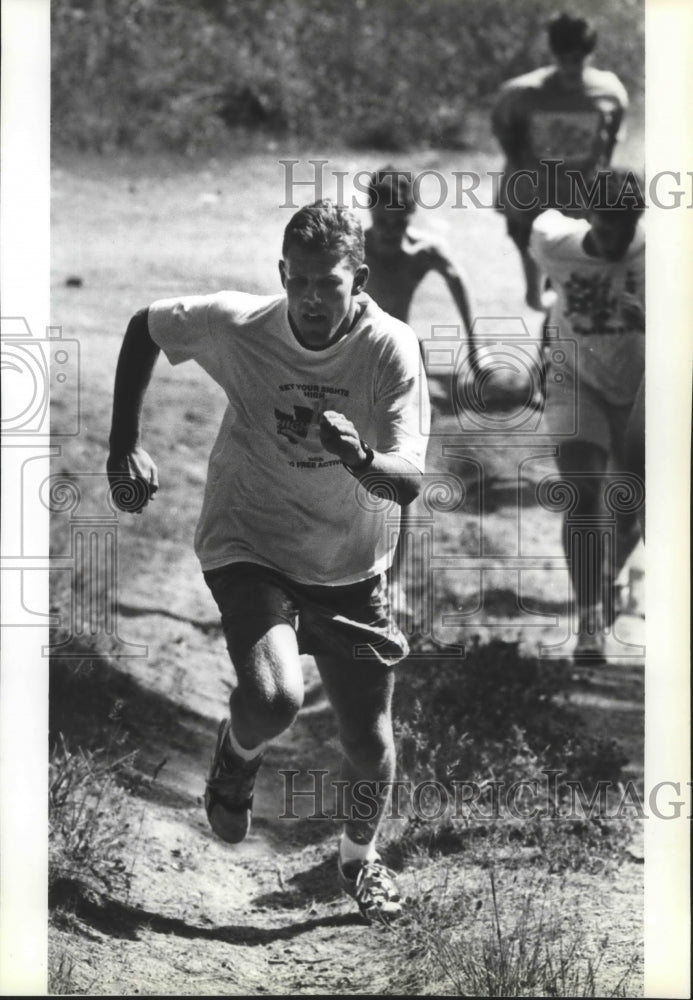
[
  {"x": 243, "y": 752},
  {"x": 349, "y": 850}
]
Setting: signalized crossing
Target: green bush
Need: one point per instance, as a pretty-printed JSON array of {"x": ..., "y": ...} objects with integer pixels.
[
  {"x": 87, "y": 819},
  {"x": 145, "y": 74}
]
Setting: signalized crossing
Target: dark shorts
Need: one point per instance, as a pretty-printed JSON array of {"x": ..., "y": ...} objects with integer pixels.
[
  {"x": 353, "y": 621},
  {"x": 581, "y": 413}
]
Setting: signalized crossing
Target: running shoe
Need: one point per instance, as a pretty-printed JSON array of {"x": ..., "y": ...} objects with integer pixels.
[
  {"x": 229, "y": 791},
  {"x": 373, "y": 887}
]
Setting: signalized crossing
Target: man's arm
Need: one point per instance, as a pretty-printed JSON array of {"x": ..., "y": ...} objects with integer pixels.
[
  {"x": 509, "y": 125},
  {"x": 339, "y": 436},
  {"x": 615, "y": 129},
  {"x": 539, "y": 249},
  {"x": 131, "y": 471},
  {"x": 459, "y": 289}
]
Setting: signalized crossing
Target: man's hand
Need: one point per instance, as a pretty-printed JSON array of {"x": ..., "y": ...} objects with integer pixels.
[
  {"x": 391, "y": 472},
  {"x": 339, "y": 436},
  {"x": 133, "y": 480},
  {"x": 632, "y": 311}
]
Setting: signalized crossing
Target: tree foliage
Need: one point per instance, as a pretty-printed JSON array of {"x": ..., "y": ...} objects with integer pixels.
[{"x": 145, "y": 74}]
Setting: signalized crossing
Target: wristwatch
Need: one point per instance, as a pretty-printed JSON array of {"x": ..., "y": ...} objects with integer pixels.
[{"x": 366, "y": 462}]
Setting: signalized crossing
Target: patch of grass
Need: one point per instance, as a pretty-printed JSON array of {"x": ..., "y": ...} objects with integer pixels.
[
  {"x": 68, "y": 976},
  {"x": 87, "y": 813},
  {"x": 497, "y": 758},
  {"x": 452, "y": 941},
  {"x": 93, "y": 842},
  {"x": 63, "y": 979},
  {"x": 496, "y": 709}
]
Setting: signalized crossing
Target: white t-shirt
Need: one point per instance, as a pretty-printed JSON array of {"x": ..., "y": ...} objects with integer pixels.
[
  {"x": 594, "y": 306},
  {"x": 274, "y": 496}
]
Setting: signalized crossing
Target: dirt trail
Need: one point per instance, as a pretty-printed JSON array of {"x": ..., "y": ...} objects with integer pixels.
[
  {"x": 201, "y": 917},
  {"x": 267, "y": 916}
]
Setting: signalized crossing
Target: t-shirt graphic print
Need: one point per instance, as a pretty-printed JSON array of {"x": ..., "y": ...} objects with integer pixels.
[{"x": 274, "y": 495}]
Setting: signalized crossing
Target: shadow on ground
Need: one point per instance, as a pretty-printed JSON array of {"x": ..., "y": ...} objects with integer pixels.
[{"x": 123, "y": 920}]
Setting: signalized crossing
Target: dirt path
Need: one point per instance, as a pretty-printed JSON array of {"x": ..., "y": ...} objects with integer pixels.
[{"x": 267, "y": 916}]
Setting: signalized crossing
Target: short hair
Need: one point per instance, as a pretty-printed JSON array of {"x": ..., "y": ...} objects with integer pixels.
[
  {"x": 392, "y": 188},
  {"x": 326, "y": 227},
  {"x": 617, "y": 190},
  {"x": 568, "y": 33}
]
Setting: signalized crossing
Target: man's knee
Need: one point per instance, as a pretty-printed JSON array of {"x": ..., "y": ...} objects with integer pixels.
[
  {"x": 284, "y": 705},
  {"x": 270, "y": 680},
  {"x": 368, "y": 745},
  {"x": 270, "y": 706}
]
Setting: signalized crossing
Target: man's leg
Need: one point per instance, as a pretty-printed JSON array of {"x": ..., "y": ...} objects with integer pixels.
[
  {"x": 269, "y": 692},
  {"x": 628, "y": 534},
  {"x": 628, "y": 436},
  {"x": 519, "y": 224},
  {"x": 582, "y": 465},
  {"x": 361, "y": 695},
  {"x": 257, "y": 615},
  {"x": 534, "y": 282},
  {"x": 264, "y": 703}
]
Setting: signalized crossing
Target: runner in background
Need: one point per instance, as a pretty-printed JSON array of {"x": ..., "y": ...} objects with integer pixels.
[
  {"x": 555, "y": 124},
  {"x": 596, "y": 267},
  {"x": 399, "y": 258}
]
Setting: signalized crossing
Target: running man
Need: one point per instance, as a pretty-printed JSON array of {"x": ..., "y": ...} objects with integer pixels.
[
  {"x": 327, "y": 404},
  {"x": 597, "y": 271},
  {"x": 553, "y": 124},
  {"x": 398, "y": 259}
]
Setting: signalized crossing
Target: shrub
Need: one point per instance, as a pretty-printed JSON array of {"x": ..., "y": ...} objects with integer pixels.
[
  {"x": 497, "y": 744},
  {"x": 386, "y": 73},
  {"x": 485, "y": 707},
  {"x": 451, "y": 942},
  {"x": 87, "y": 819}
]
